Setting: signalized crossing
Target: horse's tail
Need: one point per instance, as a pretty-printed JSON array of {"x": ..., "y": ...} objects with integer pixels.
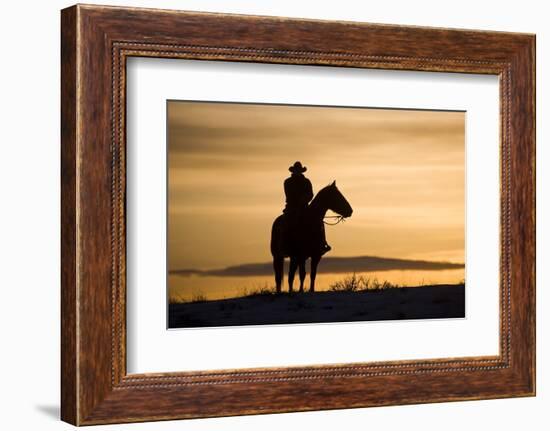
[{"x": 276, "y": 243}]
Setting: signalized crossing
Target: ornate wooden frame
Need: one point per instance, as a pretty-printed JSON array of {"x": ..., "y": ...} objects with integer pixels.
[{"x": 95, "y": 42}]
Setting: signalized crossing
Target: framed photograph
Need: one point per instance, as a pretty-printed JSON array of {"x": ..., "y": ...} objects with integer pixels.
[
  {"x": 264, "y": 214},
  {"x": 405, "y": 169}
]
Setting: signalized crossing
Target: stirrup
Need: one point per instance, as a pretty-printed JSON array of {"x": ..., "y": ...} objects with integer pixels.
[{"x": 325, "y": 249}]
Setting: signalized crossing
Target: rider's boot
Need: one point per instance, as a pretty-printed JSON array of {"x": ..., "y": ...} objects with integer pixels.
[{"x": 325, "y": 248}]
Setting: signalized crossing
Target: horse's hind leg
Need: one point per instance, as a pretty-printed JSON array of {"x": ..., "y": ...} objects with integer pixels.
[
  {"x": 291, "y": 271},
  {"x": 302, "y": 272},
  {"x": 278, "y": 262}
]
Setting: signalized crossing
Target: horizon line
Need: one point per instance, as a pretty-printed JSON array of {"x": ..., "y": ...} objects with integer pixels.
[{"x": 330, "y": 265}]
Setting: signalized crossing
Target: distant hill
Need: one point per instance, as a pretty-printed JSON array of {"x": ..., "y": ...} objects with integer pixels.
[{"x": 328, "y": 265}]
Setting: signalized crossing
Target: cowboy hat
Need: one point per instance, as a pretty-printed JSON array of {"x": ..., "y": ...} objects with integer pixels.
[{"x": 297, "y": 167}]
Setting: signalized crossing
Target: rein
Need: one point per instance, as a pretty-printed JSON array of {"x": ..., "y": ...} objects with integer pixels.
[{"x": 338, "y": 218}]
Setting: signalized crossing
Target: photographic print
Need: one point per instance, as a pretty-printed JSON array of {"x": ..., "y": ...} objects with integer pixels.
[{"x": 287, "y": 214}]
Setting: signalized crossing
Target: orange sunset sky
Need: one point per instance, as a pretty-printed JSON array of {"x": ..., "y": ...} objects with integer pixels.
[{"x": 401, "y": 170}]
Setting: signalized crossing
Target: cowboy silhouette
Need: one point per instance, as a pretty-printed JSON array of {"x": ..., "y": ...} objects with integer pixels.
[{"x": 298, "y": 193}]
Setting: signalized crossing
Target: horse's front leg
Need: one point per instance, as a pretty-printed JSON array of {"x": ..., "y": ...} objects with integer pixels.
[
  {"x": 313, "y": 272},
  {"x": 302, "y": 272},
  {"x": 291, "y": 271}
]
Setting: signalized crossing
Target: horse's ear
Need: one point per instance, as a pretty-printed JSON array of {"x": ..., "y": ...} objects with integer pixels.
[{"x": 333, "y": 183}]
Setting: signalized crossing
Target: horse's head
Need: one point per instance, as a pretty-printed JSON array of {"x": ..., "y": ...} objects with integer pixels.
[{"x": 336, "y": 201}]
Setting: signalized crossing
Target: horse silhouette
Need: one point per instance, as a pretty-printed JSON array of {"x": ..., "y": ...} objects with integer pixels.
[{"x": 306, "y": 238}]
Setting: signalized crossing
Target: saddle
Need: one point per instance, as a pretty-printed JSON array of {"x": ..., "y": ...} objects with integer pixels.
[
  {"x": 301, "y": 235},
  {"x": 293, "y": 230}
]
